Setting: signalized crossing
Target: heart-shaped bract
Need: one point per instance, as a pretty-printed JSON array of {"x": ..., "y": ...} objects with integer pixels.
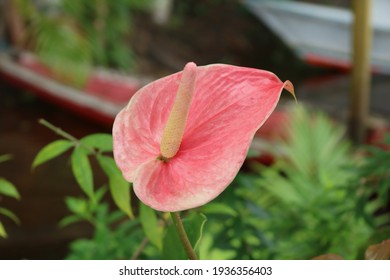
[{"x": 228, "y": 105}]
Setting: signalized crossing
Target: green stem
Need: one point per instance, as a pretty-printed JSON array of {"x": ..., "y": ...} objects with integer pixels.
[
  {"x": 65, "y": 135},
  {"x": 58, "y": 130},
  {"x": 183, "y": 236}
]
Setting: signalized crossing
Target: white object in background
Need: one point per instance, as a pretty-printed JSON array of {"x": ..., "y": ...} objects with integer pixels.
[{"x": 162, "y": 11}]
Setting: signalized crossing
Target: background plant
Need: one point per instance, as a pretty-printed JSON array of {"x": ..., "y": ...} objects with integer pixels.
[
  {"x": 302, "y": 206},
  {"x": 7, "y": 189},
  {"x": 72, "y": 36},
  {"x": 374, "y": 192}
]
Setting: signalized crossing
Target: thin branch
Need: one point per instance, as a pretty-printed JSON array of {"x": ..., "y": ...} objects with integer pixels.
[
  {"x": 140, "y": 249},
  {"x": 58, "y": 130},
  {"x": 65, "y": 135}
]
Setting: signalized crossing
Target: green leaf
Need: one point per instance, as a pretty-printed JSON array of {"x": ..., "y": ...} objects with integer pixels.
[
  {"x": 219, "y": 208},
  {"x": 150, "y": 225},
  {"x": 8, "y": 189},
  {"x": 71, "y": 219},
  {"x": 82, "y": 170},
  {"x": 9, "y": 214},
  {"x": 3, "y": 233},
  {"x": 119, "y": 187},
  {"x": 5, "y": 157},
  {"x": 77, "y": 205},
  {"x": 51, "y": 151},
  {"x": 99, "y": 194},
  {"x": 172, "y": 247},
  {"x": 100, "y": 141}
]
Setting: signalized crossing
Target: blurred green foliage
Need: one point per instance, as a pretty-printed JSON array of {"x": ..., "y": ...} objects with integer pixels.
[
  {"x": 7, "y": 189},
  {"x": 307, "y": 204},
  {"x": 73, "y": 36},
  {"x": 114, "y": 237},
  {"x": 374, "y": 189}
]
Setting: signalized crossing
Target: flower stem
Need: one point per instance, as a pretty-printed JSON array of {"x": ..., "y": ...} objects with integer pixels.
[{"x": 183, "y": 236}]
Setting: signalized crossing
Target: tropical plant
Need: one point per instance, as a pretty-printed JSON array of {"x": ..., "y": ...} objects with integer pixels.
[{"x": 303, "y": 206}]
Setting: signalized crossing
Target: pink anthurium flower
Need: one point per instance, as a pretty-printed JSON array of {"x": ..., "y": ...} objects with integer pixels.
[{"x": 182, "y": 139}]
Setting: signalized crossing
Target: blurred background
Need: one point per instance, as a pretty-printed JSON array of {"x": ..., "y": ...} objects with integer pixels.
[{"x": 77, "y": 63}]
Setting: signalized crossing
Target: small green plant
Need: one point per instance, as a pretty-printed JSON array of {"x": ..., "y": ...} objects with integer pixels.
[
  {"x": 98, "y": 146},
  {"x": 115, "y": 236},
  {"x": 374, "y": 192},
  {"x": 7, "y": 189},
  {"x": 308, "y": 194}
]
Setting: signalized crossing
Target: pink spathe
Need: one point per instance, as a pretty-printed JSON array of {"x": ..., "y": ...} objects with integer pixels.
[{"x": 228, "y": 106}]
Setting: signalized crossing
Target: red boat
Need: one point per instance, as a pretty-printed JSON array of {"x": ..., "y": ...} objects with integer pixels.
[{"x": 102, "y": 97}]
